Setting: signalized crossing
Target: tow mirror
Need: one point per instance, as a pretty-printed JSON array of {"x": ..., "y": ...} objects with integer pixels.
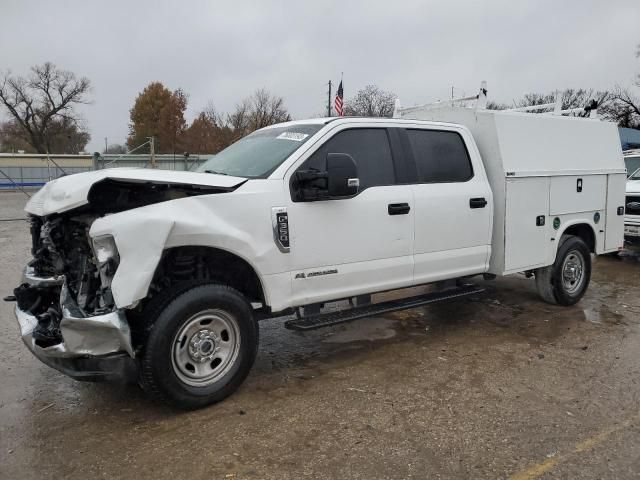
[{"x": 342, "y": 175}]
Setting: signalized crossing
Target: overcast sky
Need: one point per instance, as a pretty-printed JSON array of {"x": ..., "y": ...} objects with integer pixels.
[{"x": 222, "y": 51}]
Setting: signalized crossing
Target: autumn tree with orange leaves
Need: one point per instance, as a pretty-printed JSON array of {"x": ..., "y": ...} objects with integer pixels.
[
  {"x": 205, "y": 135},
  {"x": 158, "y": 112}
]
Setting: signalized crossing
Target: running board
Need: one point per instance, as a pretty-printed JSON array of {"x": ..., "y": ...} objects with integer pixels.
[{"x": 334, "y": 318}]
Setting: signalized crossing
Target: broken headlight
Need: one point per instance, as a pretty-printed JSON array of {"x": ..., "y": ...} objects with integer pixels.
[
  {"x": 107, "y": 260},
  {"x": 105, "y": 250}
]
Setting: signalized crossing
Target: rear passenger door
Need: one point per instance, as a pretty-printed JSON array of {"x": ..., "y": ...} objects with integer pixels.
[
  {"x": 453, "y": 205},
  {"x": 351, "y": 246}
]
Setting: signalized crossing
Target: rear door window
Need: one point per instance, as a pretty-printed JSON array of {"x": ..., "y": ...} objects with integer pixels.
[{"x": 440, "y": 156}]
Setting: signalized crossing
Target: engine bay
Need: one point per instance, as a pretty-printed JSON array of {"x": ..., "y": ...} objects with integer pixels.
[{"x": 63, "y": 258}]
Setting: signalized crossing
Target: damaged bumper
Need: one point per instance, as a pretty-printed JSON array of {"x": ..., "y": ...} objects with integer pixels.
[{"x": 91, "y": 347}]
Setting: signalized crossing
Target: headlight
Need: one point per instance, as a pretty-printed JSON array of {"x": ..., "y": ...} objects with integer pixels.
[{"x": 104, "y": 248}]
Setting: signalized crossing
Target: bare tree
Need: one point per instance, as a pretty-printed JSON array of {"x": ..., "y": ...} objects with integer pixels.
[
  {"x": 266, "y": 109},
  {"x": 257, "y": 111},
  {"x": 212, "y": 131},
  {"x": 212, "y": 114},
  {"x": 624, "y": 108},
  {"x": 65, "y": 137},
  {"x": 239, "y": 120},
  {"x": 492, "y": 105},
  {"x": 371, "y": 101},
  {"x": 48, "y": 95},
  {"x": 569, "y": 99}
]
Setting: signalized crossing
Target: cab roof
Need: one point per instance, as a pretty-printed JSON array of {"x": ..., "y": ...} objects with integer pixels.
[{"x": 354, "y": 119}]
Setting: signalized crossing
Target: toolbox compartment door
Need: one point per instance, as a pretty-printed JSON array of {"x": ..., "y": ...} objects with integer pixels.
[
  {"x": 525, "y": 241},
  {"x": 577, "y": 193},
  {"x": 614, "y": 232}
]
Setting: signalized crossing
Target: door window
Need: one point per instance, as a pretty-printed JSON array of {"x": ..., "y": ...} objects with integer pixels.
[
  {"x": 441, "y": 156},
  {"x": 369, "y": 148}
]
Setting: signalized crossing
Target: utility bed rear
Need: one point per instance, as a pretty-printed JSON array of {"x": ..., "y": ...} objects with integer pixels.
[{"x": 541, "y": 168}]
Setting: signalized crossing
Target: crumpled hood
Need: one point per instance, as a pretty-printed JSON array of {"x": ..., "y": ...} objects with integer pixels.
[
  {"x": 633, "y": 186},
  {"x": 72, "y": 191}
]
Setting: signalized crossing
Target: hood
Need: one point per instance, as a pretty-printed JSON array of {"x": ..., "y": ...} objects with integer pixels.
[
  {"x": 72, "y": 191},
  {"x": 633, "y": 186}
]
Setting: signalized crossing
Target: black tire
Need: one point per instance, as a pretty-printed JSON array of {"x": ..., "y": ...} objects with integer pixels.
[
  {"x": 552, "y": 284},
  {"x": 163, "y": 376},
  {"x": 544, "y": 284}
]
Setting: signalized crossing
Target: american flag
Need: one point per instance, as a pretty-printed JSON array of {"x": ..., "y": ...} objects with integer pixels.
[{"x": 339, "y": 101}]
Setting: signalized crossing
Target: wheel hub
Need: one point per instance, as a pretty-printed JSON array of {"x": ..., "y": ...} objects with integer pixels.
[
  {"x": 572, "y": 271},
  {"x": 206, "y": 347},
  {"x": 203, "y": 346}
]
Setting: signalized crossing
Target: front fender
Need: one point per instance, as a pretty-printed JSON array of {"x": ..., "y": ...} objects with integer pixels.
[
  {"x": 140, "y": 240},
  {"x": 142, "y": 234}
]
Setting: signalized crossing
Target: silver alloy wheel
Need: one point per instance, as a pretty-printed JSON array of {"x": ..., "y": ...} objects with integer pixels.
[
  {"x": 573, "y": 271},
  {"x": 206, "y": 347}
]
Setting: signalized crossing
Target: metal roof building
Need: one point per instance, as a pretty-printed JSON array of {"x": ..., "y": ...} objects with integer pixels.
[{"x": 19, "y": 170}]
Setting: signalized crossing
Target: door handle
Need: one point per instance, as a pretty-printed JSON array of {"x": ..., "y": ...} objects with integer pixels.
[
  {"x": 398, "y": 208},
  {"x": 477, "y": 202}
]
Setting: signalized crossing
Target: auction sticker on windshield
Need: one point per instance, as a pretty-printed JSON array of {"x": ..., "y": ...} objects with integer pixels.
[{"x": 295, "y": 136}]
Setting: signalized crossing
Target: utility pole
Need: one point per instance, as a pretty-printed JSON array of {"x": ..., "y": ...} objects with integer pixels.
[
  {"x": 152, "y": 145},
  {"x": 329, "y": 101},
  {"x": 105, "y": 144}
]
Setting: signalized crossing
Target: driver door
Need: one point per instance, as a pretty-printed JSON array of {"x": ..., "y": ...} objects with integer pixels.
[{"x": 351, "y": 246}]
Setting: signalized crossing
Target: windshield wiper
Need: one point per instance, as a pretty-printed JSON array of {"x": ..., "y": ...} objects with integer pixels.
[{"x": 217, "y": 173}]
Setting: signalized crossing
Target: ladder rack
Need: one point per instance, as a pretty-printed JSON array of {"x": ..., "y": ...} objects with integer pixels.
[{"x": 555, "y": 108}]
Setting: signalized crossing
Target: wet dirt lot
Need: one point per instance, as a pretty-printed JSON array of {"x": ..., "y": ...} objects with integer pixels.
[{"x": 496, "y": 386}]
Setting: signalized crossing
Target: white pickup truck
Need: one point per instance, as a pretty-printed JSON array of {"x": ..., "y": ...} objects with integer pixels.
[
  {"x": 164, "y": 274},
  {"x": 632, "y": 206}
]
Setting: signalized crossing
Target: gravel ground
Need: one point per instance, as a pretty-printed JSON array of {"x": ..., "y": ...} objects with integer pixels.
[{"x": 497, "y": 386}]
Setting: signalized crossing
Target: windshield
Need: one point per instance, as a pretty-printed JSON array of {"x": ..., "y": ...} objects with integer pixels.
[
  {"x": 259, "y": 154},
  {"x": 633, "y": 167}
]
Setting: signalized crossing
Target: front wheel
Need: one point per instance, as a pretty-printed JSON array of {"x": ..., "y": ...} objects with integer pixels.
[
  {"x": 201, "y": 347},
  {"x": 566, "y": 281}
]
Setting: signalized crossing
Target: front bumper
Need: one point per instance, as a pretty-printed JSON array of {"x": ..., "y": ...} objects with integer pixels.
[
  {"x": 92, "y": 348},
  {"x": 632, "y": 221}
]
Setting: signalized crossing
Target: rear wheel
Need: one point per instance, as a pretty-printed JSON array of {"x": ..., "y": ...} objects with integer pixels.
[
  {"x": 566, "y": 281},
  {"x": 200, "y": 348}
]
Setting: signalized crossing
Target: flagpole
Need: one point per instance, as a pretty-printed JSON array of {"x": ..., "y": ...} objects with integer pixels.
[
  {"x": 342, "y": 85},
  {"x": 329, "y": 101}
]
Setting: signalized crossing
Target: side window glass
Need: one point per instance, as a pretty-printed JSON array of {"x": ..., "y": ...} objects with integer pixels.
[
  {"x": 441, "y": 157},
  {"x": 369, "y": 148}
]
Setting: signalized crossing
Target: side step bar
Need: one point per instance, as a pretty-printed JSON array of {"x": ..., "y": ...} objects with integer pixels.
[{"x": 334, "y": 318}]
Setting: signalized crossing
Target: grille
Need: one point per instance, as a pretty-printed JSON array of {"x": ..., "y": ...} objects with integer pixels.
[{"x": 632, "y": 206}]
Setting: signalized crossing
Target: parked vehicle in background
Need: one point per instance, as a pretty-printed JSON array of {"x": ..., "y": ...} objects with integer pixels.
[
  {"x": 632, "y": 204},
  {"x": 631, "y": 161},
  {"x": 164, "y": 274}
]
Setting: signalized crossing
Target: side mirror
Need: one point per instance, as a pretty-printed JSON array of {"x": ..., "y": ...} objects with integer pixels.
[{"x": 342, "y": 175}]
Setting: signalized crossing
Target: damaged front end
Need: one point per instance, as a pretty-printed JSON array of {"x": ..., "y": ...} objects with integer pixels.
[
  {"x": 72, "y": 312},
  {"x": 65, "y": 308}
]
